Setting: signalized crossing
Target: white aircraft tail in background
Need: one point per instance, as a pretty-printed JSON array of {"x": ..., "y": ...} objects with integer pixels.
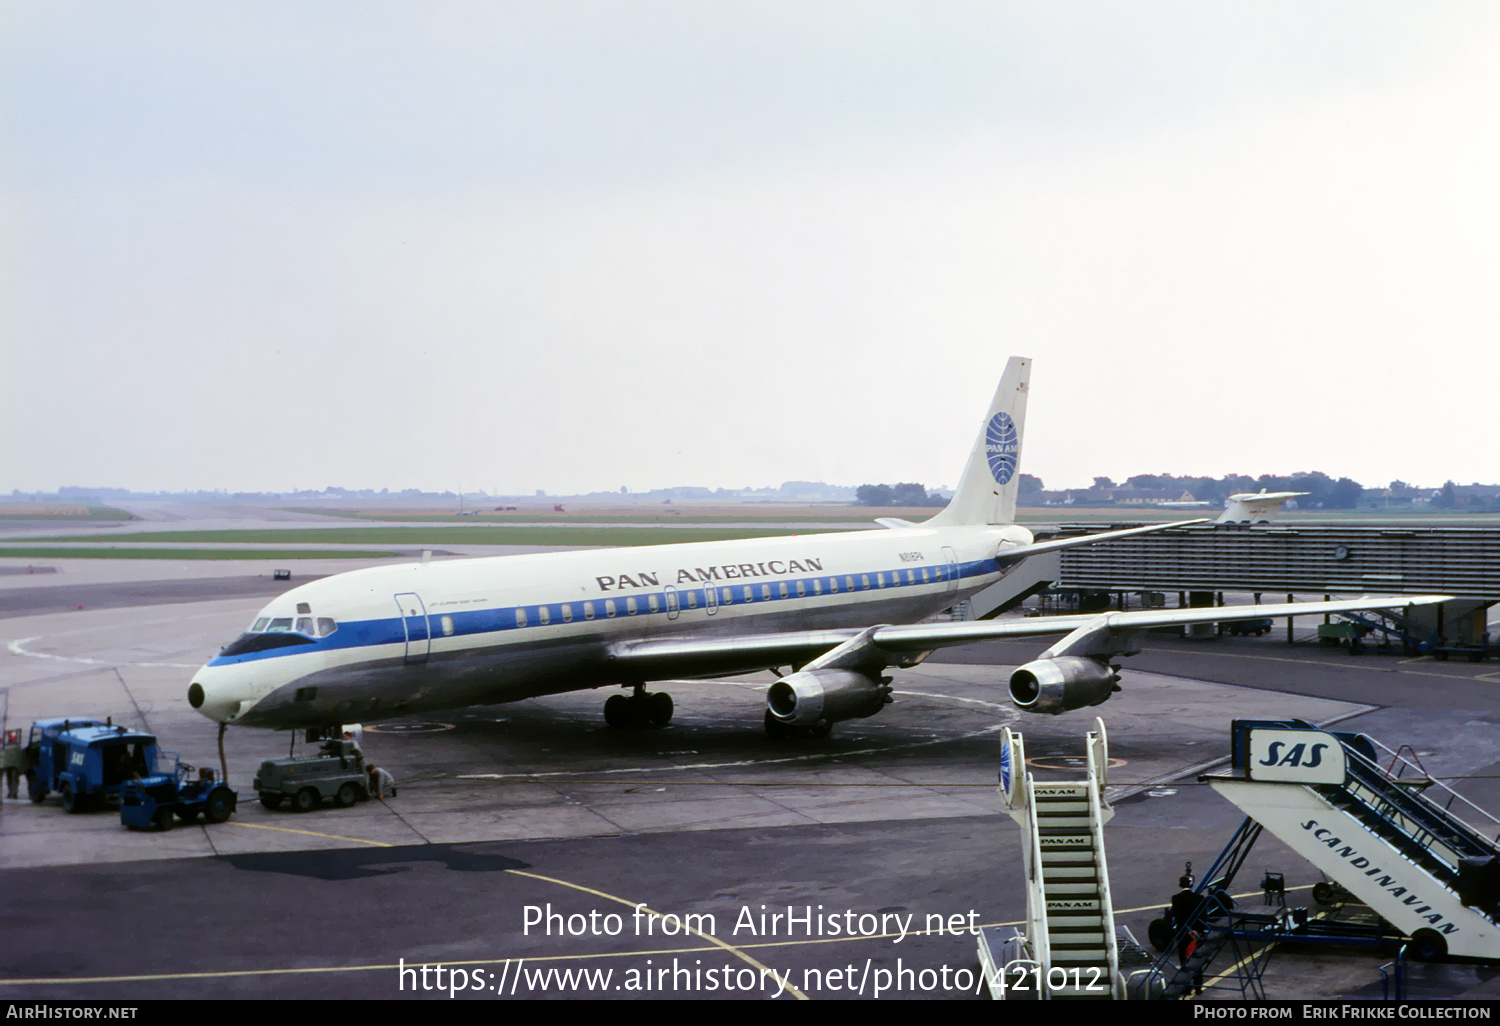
[{"x": 1255, "y": 507}]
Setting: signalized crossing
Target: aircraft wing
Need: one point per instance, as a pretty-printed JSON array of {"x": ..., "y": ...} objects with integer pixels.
[
  {"x": 1086, "y": 539},
  {"x": 1098, "y": 635}
]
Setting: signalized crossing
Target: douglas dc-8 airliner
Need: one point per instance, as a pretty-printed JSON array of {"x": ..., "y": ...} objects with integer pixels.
[{"x": 838, "y": 609}]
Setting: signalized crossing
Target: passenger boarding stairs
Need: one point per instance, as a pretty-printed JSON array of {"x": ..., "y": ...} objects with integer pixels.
[
  {"x": 1070, "y": 938},
  {"x": 1414, "y": 850},
  {"x": 1414, "y": 636}
]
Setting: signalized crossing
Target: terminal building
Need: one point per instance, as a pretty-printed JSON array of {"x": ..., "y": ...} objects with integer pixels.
[{"x": 1196, "y": 565}]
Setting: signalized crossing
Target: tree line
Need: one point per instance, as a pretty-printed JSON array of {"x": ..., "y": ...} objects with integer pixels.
[{"x": 1323, "y": 491}]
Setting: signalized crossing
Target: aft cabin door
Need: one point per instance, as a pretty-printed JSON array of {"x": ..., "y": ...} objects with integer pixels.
[
  {"x": 414, "y": 621},
  {"x": 952, "y": 569}
]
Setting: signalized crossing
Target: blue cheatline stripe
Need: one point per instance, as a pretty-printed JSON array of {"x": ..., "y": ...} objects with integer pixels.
[{"x": 390, "y": 630}]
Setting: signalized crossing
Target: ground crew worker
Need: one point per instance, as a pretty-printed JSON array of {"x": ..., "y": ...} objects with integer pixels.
[
  {"x": 12, "y": 757},
  {"x": 1185, "y": 907},
  {"x": 382, "y": 784}
]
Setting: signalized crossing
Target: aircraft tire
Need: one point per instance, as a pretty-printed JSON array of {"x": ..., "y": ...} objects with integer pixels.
[
  {"x": 658, "y": 709},
  {"x": 617, "y": 711},
  {"x": 821, "y": 729},
  {"x": 1159, "y": 933}
]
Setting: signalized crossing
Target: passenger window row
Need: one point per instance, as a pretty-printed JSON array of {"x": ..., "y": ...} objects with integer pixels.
[
  {"x": 693, "y": 598},
  {"x": 632, "y": 605}
]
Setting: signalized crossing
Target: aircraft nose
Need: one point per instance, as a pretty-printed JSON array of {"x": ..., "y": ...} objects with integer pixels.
[{"x": 212, "y": 702}]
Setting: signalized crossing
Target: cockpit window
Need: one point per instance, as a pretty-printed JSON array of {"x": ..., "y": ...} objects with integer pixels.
[{"x": 312, "y": 627}]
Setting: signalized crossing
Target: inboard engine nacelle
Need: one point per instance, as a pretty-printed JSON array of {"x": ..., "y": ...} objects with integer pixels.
[
  {"x": 1062, "y": 684},
  {"x": 809, "y": 697}
]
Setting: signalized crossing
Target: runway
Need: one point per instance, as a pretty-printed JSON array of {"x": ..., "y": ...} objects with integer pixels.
[{"x": 513, "y": 808}]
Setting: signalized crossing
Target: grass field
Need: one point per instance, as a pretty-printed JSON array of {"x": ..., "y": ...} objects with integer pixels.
[
  {"x": 61, "y": 512},
  {"x": 450, "y": 535},
  {"x": 749, "y": 513},
  {"x": 137, "y": 552}
]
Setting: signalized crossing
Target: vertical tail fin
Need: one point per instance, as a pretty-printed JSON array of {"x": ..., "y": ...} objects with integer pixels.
[{"x": 992, "y": 477}]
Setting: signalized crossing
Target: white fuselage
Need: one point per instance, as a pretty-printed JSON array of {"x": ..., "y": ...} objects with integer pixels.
[{"x": 391, "y": 641}]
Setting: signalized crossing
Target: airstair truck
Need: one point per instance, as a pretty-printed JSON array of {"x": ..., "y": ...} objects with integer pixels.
[
  {"x": 1416, "y": 852},
  {"x": 1071, "y": 948}
]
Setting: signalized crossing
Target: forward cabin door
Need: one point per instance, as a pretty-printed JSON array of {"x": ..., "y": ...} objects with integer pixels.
[
  {"x": 952, "y": 571},
  {"x": 414, "y": 621}
]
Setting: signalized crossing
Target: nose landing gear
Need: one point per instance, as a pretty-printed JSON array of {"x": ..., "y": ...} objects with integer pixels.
[{"x": 640, "y": 709}]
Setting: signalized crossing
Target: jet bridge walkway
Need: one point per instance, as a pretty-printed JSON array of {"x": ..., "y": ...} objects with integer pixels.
[{"x": 1416, "y": 852}]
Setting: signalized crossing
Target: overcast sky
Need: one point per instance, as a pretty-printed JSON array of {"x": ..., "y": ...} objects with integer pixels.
[{"x": 579, "y": 246}]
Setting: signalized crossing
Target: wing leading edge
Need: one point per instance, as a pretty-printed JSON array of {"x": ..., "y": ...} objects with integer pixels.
[{"x": 1096, "y": 636}]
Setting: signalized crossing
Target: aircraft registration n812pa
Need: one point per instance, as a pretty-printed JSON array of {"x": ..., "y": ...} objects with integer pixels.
[{"x": 838, "y": 609}]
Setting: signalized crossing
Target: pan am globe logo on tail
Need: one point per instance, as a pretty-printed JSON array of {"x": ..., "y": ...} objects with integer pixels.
[{"x": 1001, "y": 446}]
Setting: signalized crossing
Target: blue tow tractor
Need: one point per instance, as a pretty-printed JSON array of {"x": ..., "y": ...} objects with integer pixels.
[
  {"x": 155, "y": 800},
  {"x": 89, "y": 763}
]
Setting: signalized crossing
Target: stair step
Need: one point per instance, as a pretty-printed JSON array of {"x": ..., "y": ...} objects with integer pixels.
[
  {"x": 1058, "y": 888},
  {"x": 1086, "y": 917},
  {"x": 1070, "y": 871},
  {"x": 1080, "y": 875},
  {"x": 1069, "y": 804},
  {"x": 1081, "y": 960},
  {"x": 1067, "y": 856}
]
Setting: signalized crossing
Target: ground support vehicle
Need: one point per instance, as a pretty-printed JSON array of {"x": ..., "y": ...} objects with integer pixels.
[
  {"x": 85, "y": 761},
  {"x": 155, "y": 800},
  {"x": 1473, "y": 653},
  {"x": 304, "y": 781}
]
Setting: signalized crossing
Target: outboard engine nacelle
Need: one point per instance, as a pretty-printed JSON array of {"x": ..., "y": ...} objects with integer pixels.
[
  {"x": 812, "y": 696},
  {"x": 1063, "y": 684}
]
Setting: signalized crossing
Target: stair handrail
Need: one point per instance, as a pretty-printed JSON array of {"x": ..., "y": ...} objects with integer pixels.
[
  {"x": 1447, "y": 812},
  {"x": 1041, "y": 938},
  {"x": 1097, "y": 748}
]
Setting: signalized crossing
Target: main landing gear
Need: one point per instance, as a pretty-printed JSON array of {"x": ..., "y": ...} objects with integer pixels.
[{"x": 642, "y": 708}]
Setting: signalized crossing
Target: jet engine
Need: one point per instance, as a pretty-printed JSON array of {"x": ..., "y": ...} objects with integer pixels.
[
  {"x": 1063, "y": 684},
  {"x": 809, "y": 697}
]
